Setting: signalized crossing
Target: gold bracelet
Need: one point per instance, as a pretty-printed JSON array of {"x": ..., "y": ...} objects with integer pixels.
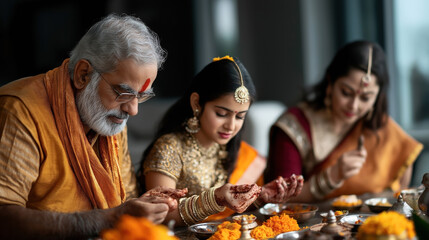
[
  {"x": 182, "y": 211},
  {"x": 329, "y": 180},
  {"x": 213, "y": 204},
  {"x": 324, "y": 188}
]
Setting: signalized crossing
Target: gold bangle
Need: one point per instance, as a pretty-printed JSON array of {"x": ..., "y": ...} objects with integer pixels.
[
  {"x": 329, "y": 180},
  {"x": 324, "y": 187},
  {"x": 182, "y": 211},
  {"x": 213, "y": 204}
]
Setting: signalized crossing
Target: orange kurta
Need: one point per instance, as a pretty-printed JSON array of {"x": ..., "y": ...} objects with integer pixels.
[{"x": 64, "y": 177}]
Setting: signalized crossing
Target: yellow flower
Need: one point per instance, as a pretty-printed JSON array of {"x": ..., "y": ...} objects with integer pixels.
[
  {"x": 387, "y": 223},
  {"x": 221, "y": 58}
]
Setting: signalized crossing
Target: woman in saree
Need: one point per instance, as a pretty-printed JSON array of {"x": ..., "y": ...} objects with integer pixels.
[
  {"x": 198, "y": 146},
  {"x": 340, "y": 137}
]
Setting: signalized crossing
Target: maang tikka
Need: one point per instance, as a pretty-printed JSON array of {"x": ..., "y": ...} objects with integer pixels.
[
  {"x": 241, "y": 94},
  {"x": 193, "y": 124},
  {"x": 366, "y": 79}
]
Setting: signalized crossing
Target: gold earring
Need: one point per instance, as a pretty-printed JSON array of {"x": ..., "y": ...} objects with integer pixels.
[{"x": 193, "y": 124}]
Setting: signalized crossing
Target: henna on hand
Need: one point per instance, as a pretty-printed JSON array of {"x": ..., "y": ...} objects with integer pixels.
[
  {"x": 237, "y": 197},
  {"x": 166, "y": 195}
]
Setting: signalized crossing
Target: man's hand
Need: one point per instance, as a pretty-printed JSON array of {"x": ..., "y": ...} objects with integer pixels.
[
  {"x": 237, "y": 197},
  {"x": 154, "y": 204}
]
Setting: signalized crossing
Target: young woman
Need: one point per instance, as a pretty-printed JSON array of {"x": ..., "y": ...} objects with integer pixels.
[
  {"x": 341, "y": 137},
  {"x": 198, "y": 146}
]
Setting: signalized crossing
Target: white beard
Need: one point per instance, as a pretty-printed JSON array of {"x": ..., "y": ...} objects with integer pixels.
[{"x": 93, "y": 113}]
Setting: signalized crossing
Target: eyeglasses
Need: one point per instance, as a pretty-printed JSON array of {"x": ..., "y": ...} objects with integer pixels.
[{"x": 124, "y": 97}]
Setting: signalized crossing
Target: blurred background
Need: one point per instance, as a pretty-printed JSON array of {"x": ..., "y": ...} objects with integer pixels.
[{"x": 285, "y": 44}]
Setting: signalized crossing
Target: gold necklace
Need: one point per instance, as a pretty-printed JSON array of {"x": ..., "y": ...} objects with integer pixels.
[{"x": 221, "y": 152}]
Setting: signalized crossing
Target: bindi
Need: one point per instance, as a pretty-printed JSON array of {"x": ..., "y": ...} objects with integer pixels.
[{"x": 145, "y": 85}]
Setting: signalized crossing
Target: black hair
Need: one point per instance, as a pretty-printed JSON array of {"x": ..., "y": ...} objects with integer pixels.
[
  {"x": 354, "y": 55},
  {"x": 217, "y": 79}
]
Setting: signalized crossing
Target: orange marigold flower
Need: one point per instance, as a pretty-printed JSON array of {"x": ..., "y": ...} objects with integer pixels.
[
  {"x": 262, "y": 232},
  {"x": 387, "y": 223},
  {"x": 133, "y": 228},
  {"x": 227, "y": 230},
  {"x": 282, "y": 223}
]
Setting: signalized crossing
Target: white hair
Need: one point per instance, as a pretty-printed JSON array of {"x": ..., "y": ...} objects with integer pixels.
[{"x": 116, "y": 38}]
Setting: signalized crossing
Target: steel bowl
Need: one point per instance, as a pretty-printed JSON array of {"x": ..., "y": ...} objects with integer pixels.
[
  {"x": 354, "y": 208},
  {"x": 378, "y": 205},
  {"x": 301, "y": 212},
  {"x": 355, "y": 220},
  {"x": 292, "y": 235},
  {"x": 204, "y": 230}
]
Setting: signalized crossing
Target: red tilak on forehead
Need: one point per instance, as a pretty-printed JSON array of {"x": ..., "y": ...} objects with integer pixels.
[{"x": 145, "y": 85}]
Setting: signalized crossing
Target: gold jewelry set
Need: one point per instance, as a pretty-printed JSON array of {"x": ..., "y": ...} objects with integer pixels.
[
  {"x": 321, "y": 185},
  {"x": 196, "y": 208},
  {"x": 193, "y": 124},
  {"x": 241, "y": 94}
]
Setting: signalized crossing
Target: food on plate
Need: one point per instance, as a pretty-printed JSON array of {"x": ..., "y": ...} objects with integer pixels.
[
  {"x": 294, "y": 209},
  {"x": 347, "y": 201},
  {"x": 250, "y": 218},
  {"x": 385, "y": 204},
  {"x": 337, "y": 213}
]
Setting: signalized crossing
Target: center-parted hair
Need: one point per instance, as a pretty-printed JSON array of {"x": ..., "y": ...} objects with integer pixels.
[
  {"x": 217, "y": 79},
  {"x": 355, "y": 56}
]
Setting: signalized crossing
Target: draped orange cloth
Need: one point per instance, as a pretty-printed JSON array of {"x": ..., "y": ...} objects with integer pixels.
[
  {"x": 390, "y": 152},
  {"x": 246, "y": 156},
  {"x": 71, "y": 173},
  {"x": 100, "y": 179}
]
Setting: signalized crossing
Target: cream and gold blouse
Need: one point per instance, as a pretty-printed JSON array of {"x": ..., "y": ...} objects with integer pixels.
[{"x": 181, "y": 157}]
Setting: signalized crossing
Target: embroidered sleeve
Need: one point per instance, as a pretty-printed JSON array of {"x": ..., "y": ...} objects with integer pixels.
[
  {"x": 290, "y": 125},
  {"x": 164, "y": 157}
]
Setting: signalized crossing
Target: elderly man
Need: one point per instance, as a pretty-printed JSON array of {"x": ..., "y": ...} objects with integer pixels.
[{"x": 64, "y": 161}]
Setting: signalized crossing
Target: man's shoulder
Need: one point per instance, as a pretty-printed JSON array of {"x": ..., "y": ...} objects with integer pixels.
[{"x": 28, "y": 90}]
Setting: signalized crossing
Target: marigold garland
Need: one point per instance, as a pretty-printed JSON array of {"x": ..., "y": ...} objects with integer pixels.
[
  {"x": 387, "y": 223},
  {"x": 134, "y": 228},
  {"x": 270, "y": 228}
]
